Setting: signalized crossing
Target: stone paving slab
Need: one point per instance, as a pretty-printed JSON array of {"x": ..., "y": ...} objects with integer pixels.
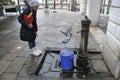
[
  {"x": 11, "y": 43},
  {"x": 13, "y": 37},
  {"x": 1, "y": 38},
  {"x": 7, "y": 31},
  {"x": 8, "y": 43},
  {"x": 52, "y": 74},
  {"x": 70, "y": 79},
  {"x": 4, "y": 50},
  {"x": 28, "y": 61},
  {"x": 99, "y": 66},
  {"x": 92, "y": 44},
  {"x": 95, "y": 56},
  {"x": 37, "y": 78},
  {"x": 100, "y": 76},
  {"x": 8, "y": 76},
  {"x": 25, "y": 71},
  {"x": 26, "y": 48},
  {"x": 17, "y": 49},
  {"x": 9, "y": 57},
  {"x": 3, "y": 65},
  {"x": 44, "y": 70},
  {"x": 21, "y": 78},
  {"x": 16, "y": 65},
  {"x": 24, "y": 54}
]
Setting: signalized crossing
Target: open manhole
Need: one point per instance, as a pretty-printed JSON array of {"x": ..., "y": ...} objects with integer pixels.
[{"x": 48, "y": 65}]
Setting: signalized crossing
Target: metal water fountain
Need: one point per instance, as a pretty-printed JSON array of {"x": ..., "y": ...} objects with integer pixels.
[{"x": 82, "y": 63}]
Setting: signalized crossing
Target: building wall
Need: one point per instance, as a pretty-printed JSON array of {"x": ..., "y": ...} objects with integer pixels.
[{"x": 111, "y": 49}]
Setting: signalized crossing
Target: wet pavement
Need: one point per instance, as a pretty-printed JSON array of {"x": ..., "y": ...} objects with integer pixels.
[{"x": 15, "y": 60}]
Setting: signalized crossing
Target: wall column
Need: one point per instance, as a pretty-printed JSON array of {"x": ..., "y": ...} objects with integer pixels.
[
  {"x": 93, "y": 11},
  {"x": 83, "y": 6}
]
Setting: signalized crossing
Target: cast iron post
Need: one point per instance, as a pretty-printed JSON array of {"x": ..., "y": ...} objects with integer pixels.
[
  {"x": 19, "y": 6},
  {"x": 54, "y": 4},
  {"x": 82, "y": 57},
  {"x": 46, "y": 4}
]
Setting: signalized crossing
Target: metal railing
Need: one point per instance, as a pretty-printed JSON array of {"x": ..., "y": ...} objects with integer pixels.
[{"x": 65, "y": 6}]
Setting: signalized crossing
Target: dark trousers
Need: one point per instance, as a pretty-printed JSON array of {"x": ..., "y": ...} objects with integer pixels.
[{"x": 31, "y": 44}]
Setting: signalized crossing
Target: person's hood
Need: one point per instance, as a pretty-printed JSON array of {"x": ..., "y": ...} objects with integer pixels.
[
  {"x": 27, "y": 9},
  {"x": 33, "y": 3}
]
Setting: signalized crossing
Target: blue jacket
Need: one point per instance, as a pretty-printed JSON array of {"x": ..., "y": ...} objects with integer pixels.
[{"x": 26, "y": 33}]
